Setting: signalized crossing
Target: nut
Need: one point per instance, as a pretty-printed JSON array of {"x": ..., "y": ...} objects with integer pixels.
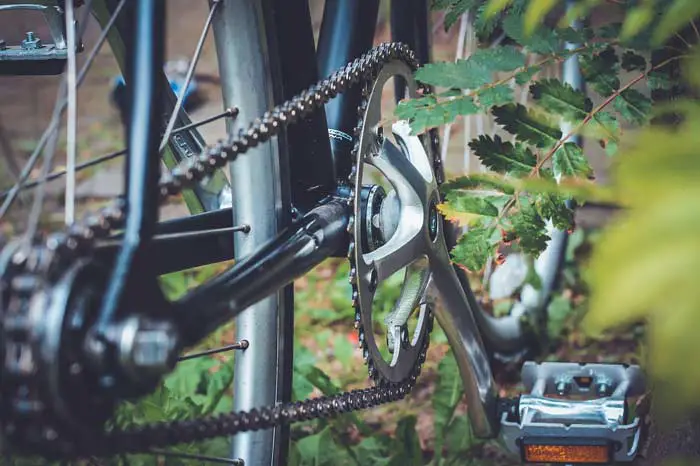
[
  {"x": 147, "y": 348},
  {"x": 31, "y": 42}
]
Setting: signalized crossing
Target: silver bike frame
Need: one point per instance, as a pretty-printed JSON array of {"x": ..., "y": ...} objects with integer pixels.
[{"x": 259, "y": 371}]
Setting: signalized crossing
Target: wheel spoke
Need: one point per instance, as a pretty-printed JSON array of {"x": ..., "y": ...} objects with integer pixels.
[
  {"x": 188, "y": 77},
  {"x": 72, "y": 90},
  {"x": 230, "y": 113},
  {"x": 60, "y": 105},
  {"x": 241, "y": 345}
]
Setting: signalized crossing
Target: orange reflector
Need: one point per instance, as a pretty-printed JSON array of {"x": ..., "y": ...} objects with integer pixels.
[{"x": 566, "y": 453}]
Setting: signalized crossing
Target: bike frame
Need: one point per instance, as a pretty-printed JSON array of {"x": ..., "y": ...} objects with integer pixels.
[{"x": 316, "y": 154}]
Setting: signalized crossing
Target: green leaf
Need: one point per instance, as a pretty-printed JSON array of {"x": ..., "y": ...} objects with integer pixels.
[
  {"x": 575, "y": 36},
  {"x": 448, "y": 392},
  {"x": 605, "y": 127},
  {"x": 570, "y": 162},
  {"x": 462, "y": 105},
  {"x": 633, "y": 62},
  {"x": 600, "y": 71},
  {"x": 493, "y": 7},
  {"x": 408, "y": 443},
  {"x": 610, "y": 31},
  {"x": 526, "y": 125},
  {"x": 558, "y": 312},
  {"x": 503, "y": 157},
  {"x": 495, "y": 95},
  {"x": 484, "y": 25},
  {"x": 475, "y": 247},
  {"x": 633, "y": 106},
  {"x": 525, "y": 76},
  {"x": 322, "y": 450},
  {"x": 542, "y": 41},
  {"x": 676, "y": 16},
  {"x": 553, "y": 207},
  {"x": 469, "y": 202},
  {"x": 535, "y": 13},
  {"x": 661, "y": 79},
  {"x": 478, "y": 181},
  {"x": 636, "y": 20},
  {"x": 373, "y": 450},
  {"x": 459, "y": 439},
  {"x": 321, "y": 380},
  {"x": 428, "y": 112},
  {"x": 343, "y": 349},
  {"x": 454, "y": 10},
  {"x": 529, "y": 228},
  {"x": 301, "y": 386},
  {"x": 473, "y": 72},
  {"x": 561, "y": 99},
  {"x": 217, "y": 388}
]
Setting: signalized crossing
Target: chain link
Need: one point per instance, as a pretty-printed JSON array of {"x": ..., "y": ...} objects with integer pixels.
[{"x": 62, "y": 249}]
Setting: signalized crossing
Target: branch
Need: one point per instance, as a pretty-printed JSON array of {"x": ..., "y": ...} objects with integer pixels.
[
  {"x": 597, "y": 110},
  {"x": 545, "y": 61}
]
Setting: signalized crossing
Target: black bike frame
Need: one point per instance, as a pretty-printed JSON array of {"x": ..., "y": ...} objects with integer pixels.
[{"x": 318, "y": 169}]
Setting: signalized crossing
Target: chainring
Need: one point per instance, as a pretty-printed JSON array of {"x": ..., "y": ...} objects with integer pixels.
[{"x": 408, "y": 212}]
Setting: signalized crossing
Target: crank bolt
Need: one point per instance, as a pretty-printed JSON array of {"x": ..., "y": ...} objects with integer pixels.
[
  {"x": 563, "y": 388},
  {"x": 31, "y": 42},
  {"x": 373, "y": 281},
  {"x": 405, "y": 343},
  {"x": 433, "y": 222},
  {"x": 380, "y": 135},
  {"x": 147, "y": 347}
]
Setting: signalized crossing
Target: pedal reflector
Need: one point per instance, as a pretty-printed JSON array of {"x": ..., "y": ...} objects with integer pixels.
[{"x": 542, "y": 452}]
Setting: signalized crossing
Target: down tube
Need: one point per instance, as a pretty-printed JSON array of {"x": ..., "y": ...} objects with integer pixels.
[{"x": 260, "y": 200}]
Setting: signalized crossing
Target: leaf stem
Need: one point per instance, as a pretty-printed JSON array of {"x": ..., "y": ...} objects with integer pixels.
[{"x": 597, "y": 110}]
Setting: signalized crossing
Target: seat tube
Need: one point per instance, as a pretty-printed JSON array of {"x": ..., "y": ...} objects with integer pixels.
[
  {"x": 346, "y": 33},
  {"x": 262, "y": 371}
]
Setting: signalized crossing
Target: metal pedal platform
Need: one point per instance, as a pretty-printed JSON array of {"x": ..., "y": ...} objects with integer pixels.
[
  {"x": 574, "y": 413},
  {"x": 31, "y": 56}
]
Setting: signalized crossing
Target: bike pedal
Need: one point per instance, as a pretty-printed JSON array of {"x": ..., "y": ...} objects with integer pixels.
[
  {"x": 31, "y": 56},
  {"x": 574, "y": 413}
]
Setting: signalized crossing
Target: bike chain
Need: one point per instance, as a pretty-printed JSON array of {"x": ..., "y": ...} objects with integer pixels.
[{"x": 25, "y": 272}]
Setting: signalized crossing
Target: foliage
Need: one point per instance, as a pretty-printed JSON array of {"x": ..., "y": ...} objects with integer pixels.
[
  {"x": 545, "y": 137},
  {"x": 643, "y": 266}
]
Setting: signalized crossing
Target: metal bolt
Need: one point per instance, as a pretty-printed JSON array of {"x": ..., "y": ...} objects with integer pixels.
[
  {"x": 373, "y": 279},
  {"x": 433, "y": 221},
  {"x": 147, "y": 347},
  {"x": 563, "y": 387},
  {"x": 31, "y": 42},
  {"x": 602, "y": 389},
  {"x": 405, "y": 343}
]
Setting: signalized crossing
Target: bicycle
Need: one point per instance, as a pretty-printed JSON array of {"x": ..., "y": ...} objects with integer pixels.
[{"x": 77, "y": 338}]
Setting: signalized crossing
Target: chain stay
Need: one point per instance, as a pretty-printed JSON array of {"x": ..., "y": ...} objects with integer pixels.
[{"x": 63, "y": 248}]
